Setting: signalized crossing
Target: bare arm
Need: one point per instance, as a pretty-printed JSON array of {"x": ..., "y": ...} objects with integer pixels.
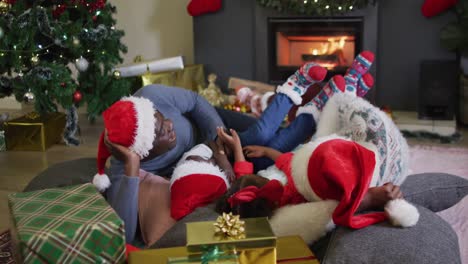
[{"x": 261, "y": 151}]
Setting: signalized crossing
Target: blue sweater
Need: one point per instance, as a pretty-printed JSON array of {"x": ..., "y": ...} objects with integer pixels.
[{"x": 193, "y": 118}]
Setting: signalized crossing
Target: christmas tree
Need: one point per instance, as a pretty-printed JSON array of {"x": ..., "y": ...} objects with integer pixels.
[{"x": 41, "y": 41}]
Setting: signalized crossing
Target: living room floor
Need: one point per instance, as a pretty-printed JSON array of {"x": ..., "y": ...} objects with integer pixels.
[{"x": 17, "y": 168}]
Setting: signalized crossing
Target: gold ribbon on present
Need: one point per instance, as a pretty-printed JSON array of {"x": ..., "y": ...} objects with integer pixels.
[
  {"x": 229, "y": 225},
  {"x": 32, "y": 115}
]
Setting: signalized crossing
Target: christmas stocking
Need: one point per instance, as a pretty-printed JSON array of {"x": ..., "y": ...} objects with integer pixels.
[
  {"x": 432, "y": 8},
  {"x": 200, "y": 7}
]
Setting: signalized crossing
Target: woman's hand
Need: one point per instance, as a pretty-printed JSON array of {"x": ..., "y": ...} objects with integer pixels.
[
  {"x": 255, "y": 151},
  {"x": 222, "y": 161},
  {"x": 124, "y": 154},
  {"x": 232, "y": 141}
]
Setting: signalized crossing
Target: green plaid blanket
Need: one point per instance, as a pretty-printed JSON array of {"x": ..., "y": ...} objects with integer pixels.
[{"x": 67, "y": 225}]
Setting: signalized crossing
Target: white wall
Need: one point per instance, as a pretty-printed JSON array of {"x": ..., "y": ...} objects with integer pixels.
[{"x": 155, "y": 29}]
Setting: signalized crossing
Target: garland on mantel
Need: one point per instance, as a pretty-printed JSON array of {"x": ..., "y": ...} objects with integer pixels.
[{"x": 316, "y": 7}]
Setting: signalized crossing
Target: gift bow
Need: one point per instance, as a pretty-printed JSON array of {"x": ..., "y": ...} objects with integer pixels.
[{"x": 272, "y": 192}]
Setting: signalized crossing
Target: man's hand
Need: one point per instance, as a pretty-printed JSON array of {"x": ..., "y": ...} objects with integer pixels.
[{"x": 124, "y": 154}]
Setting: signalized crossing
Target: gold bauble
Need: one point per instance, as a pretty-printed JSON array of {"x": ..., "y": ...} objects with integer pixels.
[
  {"x": 4, "y": 7},
  {"x": 35, "y": 59},
  {"x": 117, "y": 74}
]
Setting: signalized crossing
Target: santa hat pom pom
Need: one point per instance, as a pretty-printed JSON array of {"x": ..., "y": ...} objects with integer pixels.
[
  {"x": 402, "y": 213},
  {"x": 101, "y": 181}
]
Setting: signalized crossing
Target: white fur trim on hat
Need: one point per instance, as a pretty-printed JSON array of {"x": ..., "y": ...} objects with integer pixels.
[
  {"x": 195, "y": 167},
  {"x": 273, "y": 173},
  {"x": 101, "y": 181},
  {"x": 264, "y": 100},
  {"x": 288, "y": 90},
  {"x": 310, "y": 109},
  {"x": 309, "y": 220},
  {"x": 402, "y": 213},
  {"x": 300, "y": 164},
  {"x": 145, "y": 127},
  {"x": 201, "y": 150}
]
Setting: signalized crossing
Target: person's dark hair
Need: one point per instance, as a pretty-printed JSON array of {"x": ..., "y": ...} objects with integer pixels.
[{"x": 257, "y": 208}]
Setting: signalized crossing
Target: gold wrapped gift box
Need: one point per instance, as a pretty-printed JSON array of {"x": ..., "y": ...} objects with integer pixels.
[
  {"x": 190, "y": 78},
  {"x": 290, "y": 249},
  {"x": 257, "y": 244},
  {"x": 34, "y": 131}
]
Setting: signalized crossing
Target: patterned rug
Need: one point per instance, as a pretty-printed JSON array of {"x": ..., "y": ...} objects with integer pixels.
[{"x": 6, "y": 248}]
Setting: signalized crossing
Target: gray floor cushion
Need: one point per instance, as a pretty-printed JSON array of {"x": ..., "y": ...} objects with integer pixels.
[{"x": 432, "y": 240}]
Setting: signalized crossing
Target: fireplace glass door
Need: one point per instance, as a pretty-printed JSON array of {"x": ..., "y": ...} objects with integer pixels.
[{"x": 330, "y": 42}]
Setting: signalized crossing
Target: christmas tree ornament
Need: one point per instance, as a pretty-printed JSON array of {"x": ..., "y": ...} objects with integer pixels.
[
  {"x": 35, "y": 60},
  {"x": 76, "y": 41},
  {"x": 117, "y": 74},
  {"x": 212, "y": 93},
  {"x": 77, "y": 96},
  {"x": 63, "y": 85},
  {"x": 1, "y": 32},
  {"x": 200, "y": 7},
  {"x": 4, "y": 7},
  {"x": 432, "y": 8},
  {"x": 28, "y": 97},
  {"x": 81, "y": 64}
]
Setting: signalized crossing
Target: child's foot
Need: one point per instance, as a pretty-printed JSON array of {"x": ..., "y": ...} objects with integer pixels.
[
  {"x": 315, "y": 106},
  {"x": 364, "y": 84},
  {"x": 297, "y": 84},
  {"x": 244, "y": 94}
]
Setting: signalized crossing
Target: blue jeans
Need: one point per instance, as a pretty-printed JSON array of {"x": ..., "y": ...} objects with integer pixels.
[{"x": 266, "y": 131}]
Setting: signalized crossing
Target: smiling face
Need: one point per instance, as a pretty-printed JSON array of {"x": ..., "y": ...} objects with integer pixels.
[{"x": 166, "y": 138}]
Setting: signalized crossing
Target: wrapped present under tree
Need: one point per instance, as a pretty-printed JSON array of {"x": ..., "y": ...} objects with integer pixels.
[
  {"x": 34, "y": 131},
  {"x": 67, "y": 225}
]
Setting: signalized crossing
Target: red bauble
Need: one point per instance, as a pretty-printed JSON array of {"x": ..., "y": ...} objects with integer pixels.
[
  {"x": 77, "y": 96},
  {"x": 63, "y": 85}
]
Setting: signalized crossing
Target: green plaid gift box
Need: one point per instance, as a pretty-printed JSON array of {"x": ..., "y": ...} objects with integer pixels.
[{"x": 67, "y": 225}]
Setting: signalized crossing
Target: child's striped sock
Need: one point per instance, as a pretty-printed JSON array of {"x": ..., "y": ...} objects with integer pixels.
[
  {"x": 364, "y": 84},
  {"x": 303, "y": 78},
  {"x": 315, "y": 106},
  {"x": 360, "y": 66}
]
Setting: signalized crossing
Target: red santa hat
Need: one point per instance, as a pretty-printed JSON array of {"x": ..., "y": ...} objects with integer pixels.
[
  {"x": 195, "y": 184},
  {"x": 129, "y": 122},
  {"x": 335, "y": 168}
]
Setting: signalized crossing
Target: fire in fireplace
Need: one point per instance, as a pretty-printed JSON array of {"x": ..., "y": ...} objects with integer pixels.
[{"x": 330, "y": 42}]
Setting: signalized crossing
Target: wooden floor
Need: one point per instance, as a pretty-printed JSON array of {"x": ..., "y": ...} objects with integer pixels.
[{"x": 17, "y": 168}]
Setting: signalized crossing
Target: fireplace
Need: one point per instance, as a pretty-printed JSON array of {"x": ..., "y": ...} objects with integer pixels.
[{"x": 331, "y": 42}]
